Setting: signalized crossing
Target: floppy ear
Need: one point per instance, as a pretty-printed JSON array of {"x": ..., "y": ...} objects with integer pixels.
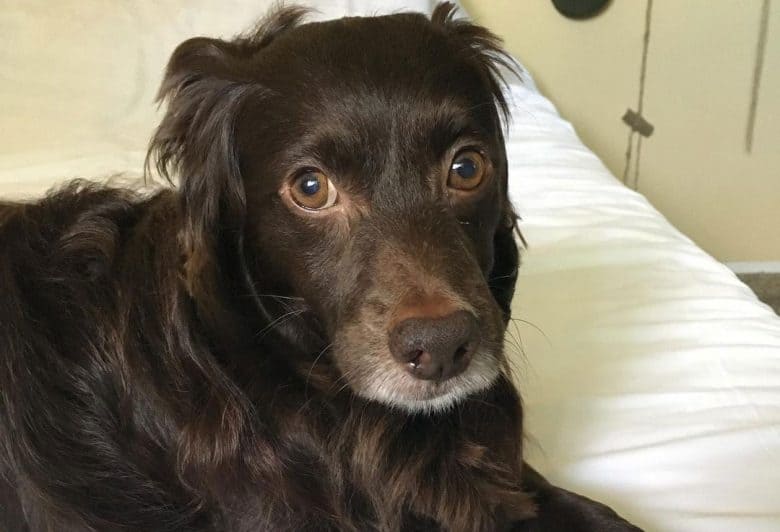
[
  {"x": 506, "y": 262},
  {"x": 485, "y": 51},
  {"x": 205, "y": 86},
  {"x": 506, "y": 256}
]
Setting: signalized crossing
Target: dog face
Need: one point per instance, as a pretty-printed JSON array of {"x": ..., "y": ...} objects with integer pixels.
[{"x": 356, "y": 166}]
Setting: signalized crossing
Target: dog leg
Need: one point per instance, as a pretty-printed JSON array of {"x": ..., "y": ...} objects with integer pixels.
[{"x": 564, "y": 511}]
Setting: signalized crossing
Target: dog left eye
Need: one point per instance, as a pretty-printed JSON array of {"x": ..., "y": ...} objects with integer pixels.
[
  {"x": 467, "y": 171},
  {"x": 312, "y": 190}
]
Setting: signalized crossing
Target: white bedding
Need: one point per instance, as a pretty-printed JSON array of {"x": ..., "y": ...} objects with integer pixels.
[{"x": 651, "y": 375}]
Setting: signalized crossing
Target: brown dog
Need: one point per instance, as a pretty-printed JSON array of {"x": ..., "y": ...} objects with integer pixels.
[{"x": 307, "y": 334}]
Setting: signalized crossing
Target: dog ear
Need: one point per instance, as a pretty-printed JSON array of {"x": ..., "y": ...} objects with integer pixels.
[
  {"x": 206, "y": 83},
  {"x": 506, "y": 262},
  {"x": 506, "y": 255},
  {"x": 204, "y": 87}
]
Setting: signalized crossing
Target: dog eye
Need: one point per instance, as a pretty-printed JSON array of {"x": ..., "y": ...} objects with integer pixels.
[
  {"x": 466, "y": 171},
  {"x": 312, "y": 190}
]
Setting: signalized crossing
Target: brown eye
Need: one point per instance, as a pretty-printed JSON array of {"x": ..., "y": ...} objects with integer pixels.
[
  {"x": 313, "y": 191},
  {"x": 466, "y": 171}
]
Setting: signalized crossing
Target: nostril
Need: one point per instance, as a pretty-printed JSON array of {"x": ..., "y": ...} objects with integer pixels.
[
  {"x": 415, "y": 357},
  {"x": 423, "y": 365},
  {"x": 460, "y": 353}
]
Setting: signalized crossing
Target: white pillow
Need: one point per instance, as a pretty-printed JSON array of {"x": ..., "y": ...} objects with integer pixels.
[{"x": 80, "y": 77}]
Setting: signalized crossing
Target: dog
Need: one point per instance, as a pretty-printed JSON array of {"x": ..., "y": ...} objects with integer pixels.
[{"x": 305, "y": 333}]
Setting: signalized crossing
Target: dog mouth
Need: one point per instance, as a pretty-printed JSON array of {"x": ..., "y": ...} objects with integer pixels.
[
  {"x": 377, "y": 376},
  {"x": 401, "y": 390}
]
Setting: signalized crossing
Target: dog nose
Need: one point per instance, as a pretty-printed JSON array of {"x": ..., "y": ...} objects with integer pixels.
[{"x": 435, "y": 349}]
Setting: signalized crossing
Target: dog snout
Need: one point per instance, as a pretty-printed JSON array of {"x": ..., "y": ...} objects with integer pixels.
[{"x": 437, "y": 348}]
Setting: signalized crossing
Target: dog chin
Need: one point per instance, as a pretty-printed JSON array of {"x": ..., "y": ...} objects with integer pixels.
[{"x": 404, "y": 392}]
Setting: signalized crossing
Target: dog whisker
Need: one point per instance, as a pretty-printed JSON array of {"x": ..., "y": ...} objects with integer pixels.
[
  {"x": 314, "y": 363},
  {"x": 277, "y": 296},
  {"x": 279, "y": 320},
  {"x": 539, "y": 329}
]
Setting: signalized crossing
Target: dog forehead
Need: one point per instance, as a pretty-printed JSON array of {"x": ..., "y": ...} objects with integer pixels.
[
  {"x": 352, "y": 39},
  {"x": 364, "y": 95},
  {"x": 387, "y": 54}
]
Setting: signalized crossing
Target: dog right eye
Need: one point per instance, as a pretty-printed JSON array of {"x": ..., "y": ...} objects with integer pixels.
[{"x": 313, "y": 191}]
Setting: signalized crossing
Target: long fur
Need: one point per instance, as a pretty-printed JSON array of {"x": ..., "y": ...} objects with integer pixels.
[{"x": 156, "y": 376}]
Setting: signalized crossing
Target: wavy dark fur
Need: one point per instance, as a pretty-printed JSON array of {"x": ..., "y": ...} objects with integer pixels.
[{"x": 159, "y": 372}]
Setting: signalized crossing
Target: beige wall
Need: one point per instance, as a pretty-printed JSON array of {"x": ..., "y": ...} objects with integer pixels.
[{"x": 694, "y": 168}]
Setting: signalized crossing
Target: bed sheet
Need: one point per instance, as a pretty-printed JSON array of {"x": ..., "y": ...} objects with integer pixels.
[{"x": 650, "y": 373}]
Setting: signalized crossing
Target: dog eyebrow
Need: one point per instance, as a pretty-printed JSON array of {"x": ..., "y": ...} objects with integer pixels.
[
  {"x": 434, "y": 129},
  {"x": 451, "y": 127}
]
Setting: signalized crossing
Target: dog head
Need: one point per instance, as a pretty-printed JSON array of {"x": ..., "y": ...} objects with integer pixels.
[{"x": 355, "y": 172}]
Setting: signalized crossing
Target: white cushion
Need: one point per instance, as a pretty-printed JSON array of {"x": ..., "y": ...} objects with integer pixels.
[{"x": 80, "y": 77}]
